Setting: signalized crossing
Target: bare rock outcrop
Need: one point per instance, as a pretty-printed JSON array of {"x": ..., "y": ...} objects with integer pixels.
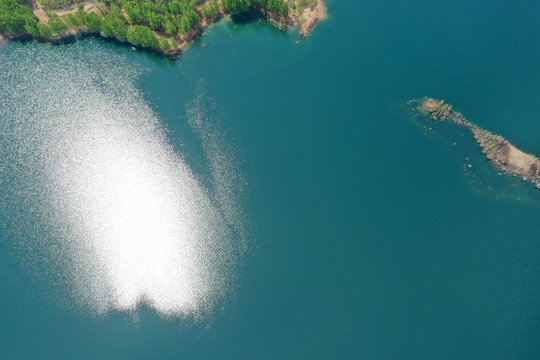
[{"x": 497, "y": 149}]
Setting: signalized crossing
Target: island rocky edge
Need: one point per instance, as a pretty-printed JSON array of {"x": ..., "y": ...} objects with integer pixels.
[
  {"x": 166, "y": 26},
  {"x": 497, "y": 149}
]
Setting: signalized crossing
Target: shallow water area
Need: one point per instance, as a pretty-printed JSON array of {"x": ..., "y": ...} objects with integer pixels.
[{"x": 484, "y": 177}]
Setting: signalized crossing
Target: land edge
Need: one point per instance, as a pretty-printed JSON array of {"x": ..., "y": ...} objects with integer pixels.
[
  {"x": 305, "y": 21},
  {"x": 504, "y": 155}
]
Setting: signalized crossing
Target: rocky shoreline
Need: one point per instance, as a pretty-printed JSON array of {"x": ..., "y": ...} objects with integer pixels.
[
  {"x": 305, "y": 18},
  {"x": 310, "y": 16},
  {"x": 496, "y": 148}
]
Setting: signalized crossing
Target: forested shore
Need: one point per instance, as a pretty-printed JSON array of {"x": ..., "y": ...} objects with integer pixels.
[{"x": 161, "y": 25}]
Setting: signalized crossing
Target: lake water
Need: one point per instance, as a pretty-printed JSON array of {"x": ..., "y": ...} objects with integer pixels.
[{"x": 268, "y": 197}]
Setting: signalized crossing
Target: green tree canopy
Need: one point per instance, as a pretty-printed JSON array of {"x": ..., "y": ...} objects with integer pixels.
[
  {"x": 58, "y": 26},
  {"x": 15, "y": 16},
  {"x": 44, "y": 30},
  {"x": 56, "y": 4},
  {"x": 164, "y": 44},
  {"x": 238, "y": 6},
  {"x": 142, "y": 36}
]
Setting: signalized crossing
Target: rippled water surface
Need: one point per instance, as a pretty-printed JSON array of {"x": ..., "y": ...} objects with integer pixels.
[{"x": 106, "y": 198}]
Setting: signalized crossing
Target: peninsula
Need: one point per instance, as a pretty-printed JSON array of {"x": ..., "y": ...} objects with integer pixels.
[
  {"x": 497, "y": 149},
  {"x": 166, "y": 26}
]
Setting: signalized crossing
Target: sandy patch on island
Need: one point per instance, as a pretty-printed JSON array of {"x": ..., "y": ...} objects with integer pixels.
[
  {"x": 42, "y": 16},
  {"x": 521, "y": 160}
]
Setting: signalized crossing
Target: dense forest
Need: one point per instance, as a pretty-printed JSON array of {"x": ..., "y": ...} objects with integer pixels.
[
  {"x": 158, "y": 24},
  {"x": 15, "y": 16}
]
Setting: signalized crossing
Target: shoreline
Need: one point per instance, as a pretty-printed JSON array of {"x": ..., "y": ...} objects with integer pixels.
[
  {"x": 503, "y": 154},
  {"x": 171, "y": 46},
  {"x": 311, "y": 16}
]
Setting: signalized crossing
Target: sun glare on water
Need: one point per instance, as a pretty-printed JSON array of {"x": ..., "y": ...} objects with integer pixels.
[{"x": 134, "y": 219}]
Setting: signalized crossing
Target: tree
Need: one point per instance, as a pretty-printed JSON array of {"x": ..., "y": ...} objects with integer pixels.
[
  {"x": 72, "y": 21},
  {"x": 14, "y": 16},
  {"x": 188, "y": 22},
  {"x": 135, "y": 13},
  {"x": 214, "y": 7},
  {"x": 170, "y": 28},
  {"x": 93, "y": 22},
  {"x": 284, "y": 9},
  {"x": 174, "y": 7},
  {"x": 56, "y": 4},
  {"x": 236, "y": 6},
  {"x": 155, "y": 21},
  {"x": 114, "y": 24},
  {"x": 107, "y": 29},
  {"x": 164, "y": 44},
  {"x": 174, "y": 44},
  {"x": 210, "y": 9},
  {"x": 44, "y": 30},
  {"x": 143, "y": 36},
  {"x": 118, "y": 26},
  {"x": 58, "y": 26},
  {"x": 31, "y": 27}
]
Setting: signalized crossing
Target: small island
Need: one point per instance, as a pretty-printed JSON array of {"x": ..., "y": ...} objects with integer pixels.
[
  {"x": 497, "y": 149},
  {"x": 166, "y": 26}
]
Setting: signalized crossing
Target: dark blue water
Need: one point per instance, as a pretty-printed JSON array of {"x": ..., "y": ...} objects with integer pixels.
[{"x": 367, "y": 237}]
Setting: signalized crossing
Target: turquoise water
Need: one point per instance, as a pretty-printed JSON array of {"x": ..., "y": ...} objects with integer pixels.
[{"x": 331, "y": 225}]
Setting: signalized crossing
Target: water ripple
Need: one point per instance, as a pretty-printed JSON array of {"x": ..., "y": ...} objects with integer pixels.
[{"x": 89, "y": 174}]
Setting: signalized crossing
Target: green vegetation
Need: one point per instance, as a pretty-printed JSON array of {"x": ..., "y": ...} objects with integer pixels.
[
  {"x": 142, "y": 36},
  {"x": 145, "y": 18},
  {"x": 210, "y": 10},
  {"x": 238, "y": 6},
  {"x": 114, "y": 25},
  {"x": 15, "y": 17},
  {"x": 44, "y": 30},
  {"x": 56, "y": 4},
  {"x": 174, "y": 44},
  {"x": 72, "y": 21},
  {"x": 91, "y": 20},
  {"x": 157, "y": 24},
  {"x": 302, "y": 4},
  {"x": 164, "y": 44},
  {"x": 58, "y": 26},
  {"x": 171, "y": 17}
]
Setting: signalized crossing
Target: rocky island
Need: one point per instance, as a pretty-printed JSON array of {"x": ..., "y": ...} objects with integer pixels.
[
  {"x": 167, "y": 26},
  {"x": 497, "y": 149}
]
